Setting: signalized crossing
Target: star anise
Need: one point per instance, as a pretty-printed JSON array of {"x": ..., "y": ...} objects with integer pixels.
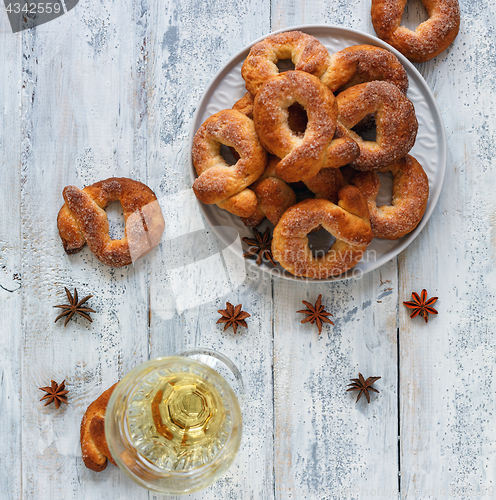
[
  {"x": 421, "y": 305},
  {"x": 233, "y": 316},
  {"x": 74, "y": 307},
  {"x": 260, "y": 245},
  {"x": 55, "y": 394},
  {"x": 316, "y": 314},
  {"x": 362, "y": 385}
]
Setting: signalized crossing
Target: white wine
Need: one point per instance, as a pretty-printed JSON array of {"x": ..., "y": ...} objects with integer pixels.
[{"x": 178, "y": 420}]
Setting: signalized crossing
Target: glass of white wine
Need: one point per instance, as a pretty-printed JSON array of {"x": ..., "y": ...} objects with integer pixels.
[{"x": 174, "y": 424}]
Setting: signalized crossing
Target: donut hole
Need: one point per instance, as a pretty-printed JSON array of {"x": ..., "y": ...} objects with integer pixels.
[
  {"x": 284, "y": 65},
  {"x": 297, "y": 119},
  {"x": 366, "y": 129},
  {"x": 385, "y": 196},
  {"x": 414, "y": 14},
  {"x": 230, "y": 155},
  {"x": 320, "y": 242},
  {"x": 115, "y": 216}
]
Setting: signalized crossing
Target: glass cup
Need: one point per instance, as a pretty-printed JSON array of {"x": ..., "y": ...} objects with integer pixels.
[{"x": 174, "y": 424}]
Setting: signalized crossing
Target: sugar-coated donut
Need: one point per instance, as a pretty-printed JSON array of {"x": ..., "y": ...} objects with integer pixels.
[
  {"x": 221, "y": 183},
  {"x": 429, "y": 39},
  {"x": 348, "y": 223},
  {"x": 306, "y": 52},
  {"x": 301, "y": 156},
  {"x": 82, "y": 219},
  {"x": 364, "y": 63},
  {"x": 396, "y": 123},
  {"x": 94, "y": 445},
  {"x": 410, "y": 195}
]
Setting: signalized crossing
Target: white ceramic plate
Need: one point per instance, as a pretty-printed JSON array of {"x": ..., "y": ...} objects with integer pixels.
[{"x": 430, "y": 147}]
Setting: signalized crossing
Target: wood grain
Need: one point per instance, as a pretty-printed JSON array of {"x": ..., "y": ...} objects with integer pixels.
[
  {"x": 187, "y": 44},
  {"x": 10, "y": 262},
  {"x": 81, "y": 113},
  {"x": 325, "y": 445},
  {"x": 447, "y": 392}
]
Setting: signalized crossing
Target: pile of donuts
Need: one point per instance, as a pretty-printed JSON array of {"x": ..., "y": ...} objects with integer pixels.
[{"x": 300, "y": 159}]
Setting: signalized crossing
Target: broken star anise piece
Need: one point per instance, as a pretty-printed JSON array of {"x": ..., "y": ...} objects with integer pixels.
[
  {"x": 362, "y": 385},
  {"x": 233, "y": 316},
  {"x": 55, "y": 394},
  {"x": 316, "y": 314},
  {"x": 74, "y": 307},
  {"x": 421, "y": 305},
  {"x": 260, "y": 245}
]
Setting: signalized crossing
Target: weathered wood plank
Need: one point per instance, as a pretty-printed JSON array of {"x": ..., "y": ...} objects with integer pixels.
[
  {"x": 82, "y": 122},
  {"x": 187, "y": 43},
  {"x": 447, "y": 366},
  {"x": 10, "y": 261},
  {"x": 325, "y": 445}
]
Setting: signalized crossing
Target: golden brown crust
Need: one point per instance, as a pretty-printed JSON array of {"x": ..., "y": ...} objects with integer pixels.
[
  {"x": 274, "y": 196},
  {"x": 410, "y": 195},
  {"x": 93, "y": 442},
  {"x": 429, "y": 39},
  {"x": 83, "y": 220},
  {"x": 342, "y": 149},
  {"x": 326, "y": 184},
  {"x": 364, "y": 63},
  {"x": 306, "y": 52},
  {"x": 245, "y": 105},
  {"x": 221, "y": 183},
  {"x": 396, "y": 123},
  {"x": 302, "y": 157},
  {"x": 348, "y": 223}
]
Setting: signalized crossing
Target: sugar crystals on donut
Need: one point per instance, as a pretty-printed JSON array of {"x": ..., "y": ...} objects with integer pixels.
[
  {"x": 429, "y": 39},
  {"x": 311, "y": 134},
  {"x": 82, "y": 220}
]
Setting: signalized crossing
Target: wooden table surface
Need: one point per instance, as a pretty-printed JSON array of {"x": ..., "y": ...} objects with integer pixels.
[{"x": 109, "y": 89}]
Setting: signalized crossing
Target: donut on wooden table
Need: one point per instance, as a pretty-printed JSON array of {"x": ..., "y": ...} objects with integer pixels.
[
  {"x": 221, "y": 183},
  {"x": 83, "y": 220},
  {"x": 306, "y": 52},
  {"x": 364, "y": 63},
  {"x": 410, "y": 195},
  {"x": 348, "y": 222},
  {"x": 93, "y": 441},
  {"x": 273, "y": 194},
  {"x": 396, "y": 123},
  {"x": 301, "y": 156},
  {"x": 429, "y": 39}
]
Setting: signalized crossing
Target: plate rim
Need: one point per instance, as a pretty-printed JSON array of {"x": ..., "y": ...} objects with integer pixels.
[{"x": 441, "y": 141}]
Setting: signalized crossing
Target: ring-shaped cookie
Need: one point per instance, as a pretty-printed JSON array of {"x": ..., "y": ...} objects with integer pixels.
[
  {"x": 348, "y": 223},
  {"x": 221, "y": 183},
  {"x": 306, "y": 52},
  {"x": 301, "y": 156},
  {"x": 410, "y": 195},
  {"x": 429, "y": 39},
  {"x": 396, "y": 123},
  {"x": 363, "y": 63},
  {"x": 83, "y": 220}
]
